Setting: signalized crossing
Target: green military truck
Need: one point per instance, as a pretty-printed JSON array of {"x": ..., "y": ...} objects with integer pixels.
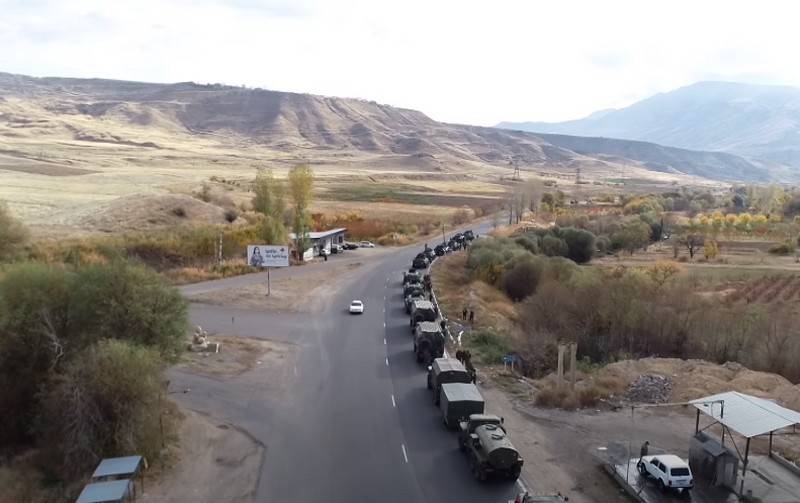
[
  {"x": 446, "y": 370},
  {"x": 422, "y": 310},
  {"x": 428, "y": 342},
  {"x": 458, "y": 401},
  {"x": 488, "y": 449}
]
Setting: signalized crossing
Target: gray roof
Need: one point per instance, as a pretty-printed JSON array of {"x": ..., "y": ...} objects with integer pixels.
[
  {"x": 747, "y": 415},
  {"x": 461, "y": 392},
  {"x": 127, "y": 465},
  {"x": 423, "y": 304},
  {"x": 105, "y": 492},
  {"x": 320, "y": 234}
]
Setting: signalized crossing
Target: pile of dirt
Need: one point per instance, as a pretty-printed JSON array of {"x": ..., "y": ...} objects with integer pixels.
[
  {"x": 692, "y": 379},
  {"x": 650, "y": 388}
]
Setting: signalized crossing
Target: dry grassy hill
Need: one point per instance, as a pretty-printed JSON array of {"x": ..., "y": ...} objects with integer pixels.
[{"x": 69, "y": 146}]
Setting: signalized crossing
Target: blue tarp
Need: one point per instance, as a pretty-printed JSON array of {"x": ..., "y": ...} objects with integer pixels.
[
  {"x": 105, "y": 492},
  {"x": 115, "y": 467}
]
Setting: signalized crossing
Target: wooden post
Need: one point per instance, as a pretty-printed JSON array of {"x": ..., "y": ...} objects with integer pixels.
[
  {"x": 560, "y": 372},
  {"x": 744, "y": 468},
  {"x": 269, "y": 287},
  {"x": 573, "y": 362}
]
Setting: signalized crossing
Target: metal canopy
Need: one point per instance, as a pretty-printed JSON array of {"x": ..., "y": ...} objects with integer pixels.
[
  {"x": 747, "y": 415},
  {"x": 105, "y": 492},
  {"x": 114, "y": 467}
]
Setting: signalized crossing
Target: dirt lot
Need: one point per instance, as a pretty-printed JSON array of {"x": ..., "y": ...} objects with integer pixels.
[
  {"x": 237, "y": 356},
  {"x": 215, "y": 462}
]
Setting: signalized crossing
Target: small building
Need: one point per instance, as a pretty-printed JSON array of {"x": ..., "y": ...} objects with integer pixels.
[{"x": 322, "y": 240}]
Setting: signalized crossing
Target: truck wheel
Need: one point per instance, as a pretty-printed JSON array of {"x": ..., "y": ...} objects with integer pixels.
[
  {"x": 430, "y": 384},
  {"x": 661, "y": 486},
  {"x": 479, "y": 473},
  {"x": 514, "y": 473},
  {"x": 461, "y": 445},
  {"x": 642, "y": 469}
]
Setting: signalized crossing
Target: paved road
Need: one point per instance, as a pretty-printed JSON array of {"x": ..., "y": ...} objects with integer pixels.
[{"x": 354, "y": 421}]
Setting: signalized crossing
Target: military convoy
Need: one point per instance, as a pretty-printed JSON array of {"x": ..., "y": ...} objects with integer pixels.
[{"x": 482, "y": 437}]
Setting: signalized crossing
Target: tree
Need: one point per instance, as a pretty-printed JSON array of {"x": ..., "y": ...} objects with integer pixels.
[
  {"x": 710, "y": 249},
  {"x": 301, "y": 187},
  {"x": 12, "y": 233},
  {"x": 693, "y": 241},
  {"x": 662, "y": 272},
  {"x": 534, "y": 189},
  {"x": 632, "y": 236},
  {"x": 580, "y": 244},
  {"x": 106, "y": 402},
  {"x": 554, "y": 246},
  {"x": 522, "y": 278},
  {"x": 549, "y": 202},
  {"x": 269, "y": 200}
]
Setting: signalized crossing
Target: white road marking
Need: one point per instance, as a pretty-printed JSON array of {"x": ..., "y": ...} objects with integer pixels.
[
  {"x": 387, "y": 361},
  {"x": 521, "y": 486},
  {"x": 295, "y": 370},
  {"x": 384, "y": 310},
  {"x": 394, "y": 404},
  {"x": 405, "y": 456},
  {"x": 384, "y": 324},
  {"x": 384, "y": 341}
]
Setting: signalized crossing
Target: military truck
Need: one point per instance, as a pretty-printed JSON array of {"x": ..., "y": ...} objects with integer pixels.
[
  {"x": 409, "y": 288},
  {"x": 411, "y": 298},
  {"x": 467, "y": 427},
  {"x": 446, "y": 370},
  {"x": 428, "y": 342},
  {"x": 420, "y": 262},
  {"x": 458, "y": 401},
  {"x": 490, "y": 452},
  {"x": 411, "y": 277},
  {"x": 422, "y": 310}
]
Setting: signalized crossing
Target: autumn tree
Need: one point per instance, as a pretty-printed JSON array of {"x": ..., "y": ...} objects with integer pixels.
[
  {"x": 301, "y": 187},
  {"x": 270, "y": 201},
  {"x": 693, "y": 241},
  {"x": 632, "y": 236},
  {"x": 662, "y": 272}
]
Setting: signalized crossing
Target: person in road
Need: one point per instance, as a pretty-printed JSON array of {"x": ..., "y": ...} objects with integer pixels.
[
  {"x": 257, "y": 260},
  {"x": 645, "y": 448}
]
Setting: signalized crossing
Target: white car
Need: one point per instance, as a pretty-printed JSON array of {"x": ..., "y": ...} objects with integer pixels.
[
  {"x": 366, "y": 244},
  {"x": 669, "y": 471},
  {"x": 356, "y": 307}
]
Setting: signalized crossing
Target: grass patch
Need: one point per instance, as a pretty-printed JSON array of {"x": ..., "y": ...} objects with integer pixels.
[{"x": 487, "y": 346}]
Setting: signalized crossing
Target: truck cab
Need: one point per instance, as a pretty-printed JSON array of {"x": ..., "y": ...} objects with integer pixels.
[{"x": 446, "y": 370}]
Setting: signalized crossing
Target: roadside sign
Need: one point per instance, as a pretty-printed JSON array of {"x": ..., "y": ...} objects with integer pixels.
[
  {"x": 268, "y": 255},
  {"x": 512, "y": 359}
]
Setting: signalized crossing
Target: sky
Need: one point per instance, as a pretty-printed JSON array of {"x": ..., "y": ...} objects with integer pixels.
[{"x": 472, "y": 62}]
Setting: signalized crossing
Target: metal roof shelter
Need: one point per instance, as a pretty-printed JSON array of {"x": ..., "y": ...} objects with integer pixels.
[
  {"x": 748, "y": 416},
  {"x": 114, "y": 491},
  {"x": 127, "y": 466}
]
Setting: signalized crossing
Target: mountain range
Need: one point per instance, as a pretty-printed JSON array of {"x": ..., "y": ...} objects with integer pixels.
[
  {"x": 161, "y": 122},
  {"x": 758, "y": 122}
]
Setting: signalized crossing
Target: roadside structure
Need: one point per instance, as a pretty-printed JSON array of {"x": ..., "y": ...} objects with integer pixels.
[{"x": 322, "y": 240}]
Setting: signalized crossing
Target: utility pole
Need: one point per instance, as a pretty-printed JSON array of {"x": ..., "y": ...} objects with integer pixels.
[
  {"x": 444, "y": 240},
  {"x": 219, "y": 250}
]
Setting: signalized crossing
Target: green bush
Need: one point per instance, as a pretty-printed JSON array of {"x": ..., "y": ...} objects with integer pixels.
[
  {"x": 553, "y": 246},
  {"x": 487, "y": 346},
  {"x": 106, "y": 402},
  {"x": 580, "y": 244},
  {"x": 12, "y": 234},
  {"x": 522, "y": 278},
  {"x": 782, "y": 249},
  {"x": 530, "y": 242},
  {"x": 488, "y": 257}
]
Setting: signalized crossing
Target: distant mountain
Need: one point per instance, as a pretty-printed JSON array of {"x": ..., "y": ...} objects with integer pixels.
[
  {"x": 755, "y": 121},
  {"x": 167, "y": 121}
]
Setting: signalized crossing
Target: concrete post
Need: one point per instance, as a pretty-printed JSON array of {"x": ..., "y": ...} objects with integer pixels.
[
  {"x": 560, "y": 371},
  {"x": 573, "y": 363}
]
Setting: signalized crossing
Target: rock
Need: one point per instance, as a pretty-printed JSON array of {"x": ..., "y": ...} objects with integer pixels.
[{"x": 650, "y": 388}]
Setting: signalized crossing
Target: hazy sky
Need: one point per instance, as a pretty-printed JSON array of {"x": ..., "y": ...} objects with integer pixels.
[{"x": 457, "y": 61}]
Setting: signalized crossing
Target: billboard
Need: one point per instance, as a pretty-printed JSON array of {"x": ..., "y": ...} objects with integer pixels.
[{"x": 268, "y": 255}]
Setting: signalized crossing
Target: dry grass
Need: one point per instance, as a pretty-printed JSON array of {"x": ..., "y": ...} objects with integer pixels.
[{"x": 589, "y": 392}]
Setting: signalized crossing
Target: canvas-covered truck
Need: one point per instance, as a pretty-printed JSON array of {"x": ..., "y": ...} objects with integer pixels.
[
  {"x": 411, "y": 287},
  {"x": 411, "y": 277},
  {"x": 422, "y": 310},
  {"x": 446, "y": 370},
  {"x": 413, "y": 297},
  {"x": 428, "y": 342},
  {"x": 458, "y": 401},
  {"x": 490, "y": 452}
]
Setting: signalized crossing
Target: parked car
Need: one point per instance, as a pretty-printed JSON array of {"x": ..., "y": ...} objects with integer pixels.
[
  {"x": 669, "y": 471},
  {"x": 337, "y": 248},
  {"x": 324, "y": 252},
  {"x": 366, "y": 244},
  {"x": 350, "y": 246},
  {"x": 356, "y": 307}
]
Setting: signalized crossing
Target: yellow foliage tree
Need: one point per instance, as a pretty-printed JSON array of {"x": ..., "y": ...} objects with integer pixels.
[
  {"x": 710, "y": 249},
  {"x": 662, "y": 271}
]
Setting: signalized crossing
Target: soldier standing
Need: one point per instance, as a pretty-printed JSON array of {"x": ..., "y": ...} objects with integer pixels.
[
  {"x": 464, "y": 314},
  {"x": 471, "y": 316},
  {"x": 643, "y": 451}
]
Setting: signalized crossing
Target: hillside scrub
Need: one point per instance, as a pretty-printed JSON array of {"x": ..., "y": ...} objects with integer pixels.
[
  {"x": 12, "y": 234},
  {"x": 79, "y": 337}
]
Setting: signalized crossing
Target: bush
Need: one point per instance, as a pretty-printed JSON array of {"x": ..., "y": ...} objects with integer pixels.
[
  {"x": 522, "y": 278},
  {"x": 580, "y": 244},
  {"x": 12, "y": 234},
  {"x": 529, "y": 242},
  {"x": 179, "y": 212},
  {"x": 782, "y": 249},
  {"x": 487, "y": 346},
  {"x": 488, "y": 257},
  {"x": 603, "y": 245},
  {"x": 553, "y": 246},
  {"x": 105, "y": 403},
  {"x": 231, "y": 215}
]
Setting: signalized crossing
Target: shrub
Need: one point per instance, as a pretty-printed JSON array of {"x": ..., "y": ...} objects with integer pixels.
[
  {"x": 105, "y": 403},
  {"x": 179, "y": 212},
  {"x": 488, "y": 257},
  {"x": 522, "y": 278},
  {"x": 231, "y": 215},
  {"x": 487, "y": 346},
  {"x": 553, "y": 246},
  {"x": 12, "y": 234},
  {"x": 461, "y": 216},
  {"x": 530, "y": 242},
  {"x": 782, "y": 249},
  {"x": 580, "y": 244},
  {"x": 603, "y": 245}
]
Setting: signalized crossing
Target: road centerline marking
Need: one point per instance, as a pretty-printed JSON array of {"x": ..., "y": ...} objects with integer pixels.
[
  {"x": 387, "y": 361},
  {"x": 405, "y": 456},
  {"x": 394, "y": 404}
]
